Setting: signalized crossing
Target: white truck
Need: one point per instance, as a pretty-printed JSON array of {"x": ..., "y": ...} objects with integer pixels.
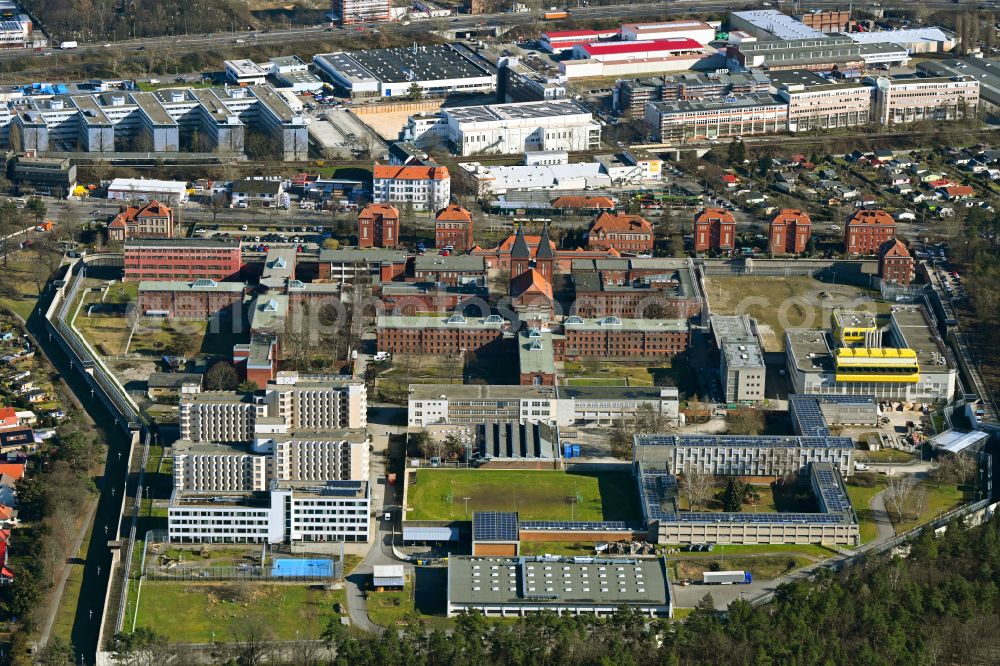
[
  {"x": 68, "y": 45},
  {"x": 726, "y": 578}
]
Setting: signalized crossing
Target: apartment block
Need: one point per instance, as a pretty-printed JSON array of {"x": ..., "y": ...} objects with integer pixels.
[
  {"x": 867, "y": 230},
  {"x": 453, "y": 228},
  {"x": 378, "y": 226},
  {"x": 789, "y": 231},
  {"x": 714, "y": 229},
  {"x": 422, "y": 187},
  {"x": 182, "y": 259},
  {"x": 217, "y": 416},
  {"x": 151, "y": 220}
]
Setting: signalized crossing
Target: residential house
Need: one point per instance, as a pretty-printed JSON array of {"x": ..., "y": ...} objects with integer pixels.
[
  {"x": 259, "y": 192},
  {"x": 378, "y": 226},
  {"x": 866, "y": 230},
  {"x": 423, "y": 187},
  {"x": 621, "y": 232},
  {"x": 152, "y": 220},
  {"x": 714, "y": 229},
  {"x": 895, "y": 265},
  {"x": 453, "y": 228},
  {"x": 789, "y": 231}
]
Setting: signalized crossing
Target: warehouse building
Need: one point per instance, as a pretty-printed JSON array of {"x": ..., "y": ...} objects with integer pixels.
[
  {"x": 519, "y": 586},
  {"x": 636, "y": 58},
  {"x": 565, "y": 40},
  {"x": 818, "y": 53},
  {"x": 286, "y": 513},
  {"x": 510, "y": 129},
  {"x": 437, "y": 70},
  {"x": 699, "y": 31},
  {"x": 771, "y": 25},
  {"x": 914, "y": 40}
]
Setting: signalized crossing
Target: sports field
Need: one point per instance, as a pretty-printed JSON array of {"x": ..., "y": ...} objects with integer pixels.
[{"x": 439, "y": 494}]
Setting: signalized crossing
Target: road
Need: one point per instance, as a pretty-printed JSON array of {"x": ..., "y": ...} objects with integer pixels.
[
  {"x": 881, "y": 517},
  {"x": 292, "y": 35},
  {"x": 111, "y": 484}
]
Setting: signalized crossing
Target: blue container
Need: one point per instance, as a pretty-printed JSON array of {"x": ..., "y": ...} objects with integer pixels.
[
  {"x": 567, "y": 450},
  {"x": 576, "y": 450}
]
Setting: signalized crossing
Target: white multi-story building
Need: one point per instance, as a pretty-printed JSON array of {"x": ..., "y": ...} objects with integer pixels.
[
  {"x": 685, "y": 120},
  {"x": 245, "y": 73},
  {"x": 509, "y": 129},
  {"x": 360, "y": 11},
  {"x": 699, "y": 31},
  {"x": 312, "y": 456},
  {"x": 289, "y": 404},
  {"x": 287, "y": 512},
  {"x": 818, "y": 103},
  {"x": 424, "y": 187},
  {"x": 906, "y": 100},
  {"x": 450, "y": 404}
]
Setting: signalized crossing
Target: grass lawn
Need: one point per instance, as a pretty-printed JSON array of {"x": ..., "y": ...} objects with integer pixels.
[
  {"x": 21, "y": 276},
  {"x": 191, "y": 612},
  {"x": 387, "y": 608},
  {"x": 939, "y": 499},
  {"x": 763, "y": 568},
  {"x": 596, "y": 381},
  {"x": 780, "y": 302},
  {"x": 809, "y": 549},
  {"x": 681, "y": 613},
  {"x": 859, "y": 499},
  {"x": 536, "y": 495},
  {"x": 105, "y": 333},
  {"x": 884, "y": 455},
  {"x": 767, "y": 504},
  {"x": 66, "y": 613}
]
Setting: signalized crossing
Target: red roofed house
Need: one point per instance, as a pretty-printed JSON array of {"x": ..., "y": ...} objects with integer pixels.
[
  {"x": 789, "y": 232},
  {"x": 8, "y": 418},
  {"x": 866, "y": 231},
  {"x": 453, "y": 226},
  {"x": 153, "y": 220},
  {"x": 583, "y": 203},
  {"x": 625, "y": 233},
  {"x": 13, "y": 470},
  {"x": 729, "y": 180},
  {"x": 6, "y": 575},
  {"x": 378, "y": 226},
  {"x": 424, "y": 187},
  {"x": 714, "y": 229},
  {"x": 955, "y": 192},
  {"x": 895, "y": 265}
]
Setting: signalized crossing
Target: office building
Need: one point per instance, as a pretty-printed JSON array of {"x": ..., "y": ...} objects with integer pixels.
[
  {"x": 351, "y": 12},
  {"x": 510, "y": 129},
  {"x": 293, "y": 72},
  {"x": 714, "y": 229},
  {"x": 818, "y": 103},
  {"x": 286, "y": 513},
  {"x": 614, "y": 337},
  {"x": 454, "y": 404},
  {"x": 906, "y": 100},
  {"x": 741, "y": 366},
  {"x": 688, "y": 120},
  {"x": 519, "y": 586},
  {"x": 698, "y": 31},
  {"x": 866, "y": 230},
  {"x": 789, "y": 232},
  {"x": 371, "y": 264},
  {"x": 422, "y": 187},
  {"x": 906, "y": 362},
  {"x": 52, "y": 176},
  {"x": 437, "y": 70},
  {"x": 378, "y": 226},
  {"x": 453, "y": 270},
  {"x": 984, "y": 70},
  {"x": 895, "y": 264},
  {"x": 182, "y": 259},
  {"x": 245, "y": 72},
  {"x": 453, "y": 227},
  {"x": 621, "y": 232}
]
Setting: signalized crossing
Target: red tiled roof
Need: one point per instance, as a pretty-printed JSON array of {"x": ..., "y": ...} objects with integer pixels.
[
  {"x": 454, "y": 213},
  {"x": 132, "y": 213},
  {"x": 532, "y": 242},
  {"x": 384, "y": 210},
  {"x": 875, "y": 217},
  {"x": 410, "y": 172},
  {"x": 13, "y": 470},
  {"x": 642, "y": 46},
  {"x": 531, "y": 281},
  {"x": 893, "y": 248},
  {"x": 791, "y": 215},
  {"x": 706, "y": 214},
  {"x": 959, "y": 191},
  {"x": 729, "y": 178},
  {"x": 621, "y": 222}
]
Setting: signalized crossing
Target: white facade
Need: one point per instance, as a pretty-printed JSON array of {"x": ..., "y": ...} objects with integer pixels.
[
  {"x": 141, "y": 189},
  {"x": 245, "y": 73},
  {"x": 510, "y": 129},
  {"x": 700, "y": 32},
  {"x": 289, "y": 513},
  {"x": 423, "y": 193},
  {"x": 216, "y": 417},
  {"x": 552, "y": 178},
  {"x": 218, "y": 468}
]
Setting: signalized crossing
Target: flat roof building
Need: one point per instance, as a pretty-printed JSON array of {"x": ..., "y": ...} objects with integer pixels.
[
  {"x": 437, "y": 69},
  {"x": 984, "y": 70},
  {"x": 915, "y": 40},
  {"x": 510, "y": 129},
  {"x": 771, "y": 25},
  {"x": 817, "y": 53},
  {"x": 519, "y": 586},
  {"x": 686, "y": 120},
  {"x": 245, "y": 72},
  {"x": 699, "y": 31}
]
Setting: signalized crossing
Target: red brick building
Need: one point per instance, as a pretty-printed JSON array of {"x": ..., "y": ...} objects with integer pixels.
[
  {"x": 615, "y": 337},
  {"x": 349, "y": 264},
  {"x": 378, "y": 226},
  {"x": 714, "y": 229},
  {"x": 531, "y": 292},
  {"x": 152, "y": 220},
  {"x": 895, "y": 265},
  {"x": 499, "y": 257},
  {"x": 541, "y": 259},
  {"x": 456, "y": 269},
  {"x": 444, "y": 335},
  {"x": 453, "y": 227},
  {"x": 624, "y": 233},
  {"x": 405, "y": 298},
  {"x": 201, "y": 299},
  {"x": 182, "y": 259},
  {"x": 867, "y": 230},
  {"x": 789, "y": 232},
  {"x": 595, "y": 297}
]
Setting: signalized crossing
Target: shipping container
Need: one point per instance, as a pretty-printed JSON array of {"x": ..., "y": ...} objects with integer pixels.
[{"x": 555, "y": 16}]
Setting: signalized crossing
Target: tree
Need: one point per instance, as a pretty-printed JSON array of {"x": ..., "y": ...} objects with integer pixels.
[
  {"x": 180, "y": 344},
  {"x": 251, "y": 640},
  {"x": 737, "y": 152},
  {"x": 747, "y": 421},
  {"x": 57, "y": 653},
  {"x": 415, "y": 92},
  {"x": 142, "y": 647},
  {"x": 10, "y": 222},
  {"x": 247, "y": 386},
  {"x": 899, "y": 494},
  {"x": 453, "y": 446},
  {"x": 36, "y": 208},
  {"x": 222, "y": 376},
  {"x": 218, "y": 203},
  {"x": 331, "y": 244},
  {"x": 736, "y": 494},
  {"x": 697, "y": 487}
]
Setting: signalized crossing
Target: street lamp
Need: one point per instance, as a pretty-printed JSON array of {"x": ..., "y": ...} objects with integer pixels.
[{"x": 466, "y": 507}]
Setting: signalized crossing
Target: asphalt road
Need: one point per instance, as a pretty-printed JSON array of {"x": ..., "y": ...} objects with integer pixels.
[
  {"x": 111, "y": 485},
  {"x": 189, "y": 42}
]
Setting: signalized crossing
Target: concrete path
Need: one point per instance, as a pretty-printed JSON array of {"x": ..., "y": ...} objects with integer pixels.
[{"x": 881, "y": 517}]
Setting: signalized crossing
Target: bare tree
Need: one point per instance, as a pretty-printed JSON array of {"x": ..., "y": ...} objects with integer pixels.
[
  {"x": 252, "y": 641},
  {"x": 899, "y": 494},
  {"x": 697, "y": 487}
]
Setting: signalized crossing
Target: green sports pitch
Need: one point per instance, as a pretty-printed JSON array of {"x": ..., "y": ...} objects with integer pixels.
[{"x": 440, "y": 494}]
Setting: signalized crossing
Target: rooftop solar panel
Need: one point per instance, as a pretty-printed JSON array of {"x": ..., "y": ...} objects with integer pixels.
[{"x": 495, "y": 526}]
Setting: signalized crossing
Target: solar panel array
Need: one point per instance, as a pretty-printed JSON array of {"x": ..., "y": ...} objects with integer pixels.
[
  {"x": 495, "y": 526},
  {"x": 580, "y": 526},
  {"x": 749, "y": 441},
  {"x": 807, "y": 417},
  {"x": 745, "y": 517},
  {"x": 831, "y": 494}
]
